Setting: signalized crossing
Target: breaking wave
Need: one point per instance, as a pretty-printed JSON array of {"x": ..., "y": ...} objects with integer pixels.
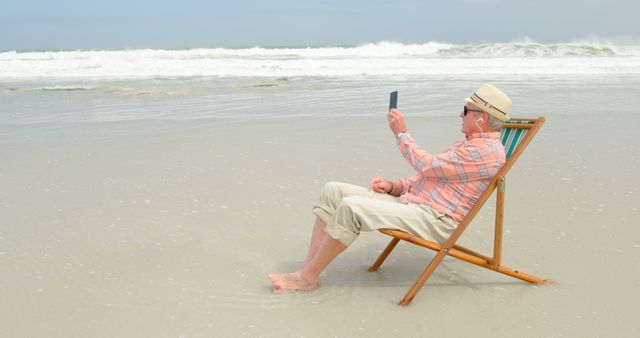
[{"x": 383, "y": 58}]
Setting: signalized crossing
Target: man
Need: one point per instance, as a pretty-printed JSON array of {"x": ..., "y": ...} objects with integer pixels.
[{"x": 429, "y": 204}]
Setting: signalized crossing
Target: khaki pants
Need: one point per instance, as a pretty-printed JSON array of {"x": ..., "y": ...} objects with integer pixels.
[{"x": 348, "y": 209}]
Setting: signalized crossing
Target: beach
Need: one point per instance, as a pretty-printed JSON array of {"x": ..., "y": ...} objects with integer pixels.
[{"x": 162, "y": 215}]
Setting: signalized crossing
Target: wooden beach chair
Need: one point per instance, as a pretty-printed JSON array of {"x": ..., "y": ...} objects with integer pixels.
[{"x": 516, "y": 135}]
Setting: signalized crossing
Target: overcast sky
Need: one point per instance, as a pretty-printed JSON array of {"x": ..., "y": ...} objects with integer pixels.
[{"x": 114, "y": 24}]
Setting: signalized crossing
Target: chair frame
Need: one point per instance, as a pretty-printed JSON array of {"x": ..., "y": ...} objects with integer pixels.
[{"x": 449, "y": 247}]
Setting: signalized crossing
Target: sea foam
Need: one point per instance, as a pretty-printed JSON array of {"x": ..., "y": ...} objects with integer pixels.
[{"x": 383, "y": 58}]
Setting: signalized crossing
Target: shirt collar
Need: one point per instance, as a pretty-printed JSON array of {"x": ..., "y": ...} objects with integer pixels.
[{"x": 490, "y": 135}]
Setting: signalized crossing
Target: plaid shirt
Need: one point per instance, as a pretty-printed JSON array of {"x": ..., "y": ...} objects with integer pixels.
[{"x": 450, "y": 182}]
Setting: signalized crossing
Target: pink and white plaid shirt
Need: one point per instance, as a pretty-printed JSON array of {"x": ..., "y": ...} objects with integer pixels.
[{"x": 450, "y": 182}]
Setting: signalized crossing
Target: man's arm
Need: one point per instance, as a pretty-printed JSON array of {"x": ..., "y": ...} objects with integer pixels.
[
  {"x": 444, "y": 165},
  {"x": 393, "y": 188},
  {"x": 401, "y": 186},
  {"x": 421, "y": 161},
  {"x": 448, "y": 164},
  {"x": 458, "y": 162}
]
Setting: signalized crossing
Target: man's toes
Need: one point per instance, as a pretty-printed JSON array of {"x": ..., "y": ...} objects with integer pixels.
[{"x": 277, "y": 283}]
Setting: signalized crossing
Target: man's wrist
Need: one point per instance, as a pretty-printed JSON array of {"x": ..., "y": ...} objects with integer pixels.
[{"x": 400, "y": 134}]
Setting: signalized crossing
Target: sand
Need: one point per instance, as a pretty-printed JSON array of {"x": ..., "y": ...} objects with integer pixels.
[{"x": 170, "y": 231}]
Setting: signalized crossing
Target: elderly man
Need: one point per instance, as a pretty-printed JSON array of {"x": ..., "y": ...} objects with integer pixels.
[{"x": 429, "y": 204}]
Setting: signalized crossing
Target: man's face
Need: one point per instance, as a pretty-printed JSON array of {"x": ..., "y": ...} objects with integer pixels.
[{"x": 469, "y": 119}]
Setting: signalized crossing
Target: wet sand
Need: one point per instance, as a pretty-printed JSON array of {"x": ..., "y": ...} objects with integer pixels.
[{"x": 171, "y": 233}]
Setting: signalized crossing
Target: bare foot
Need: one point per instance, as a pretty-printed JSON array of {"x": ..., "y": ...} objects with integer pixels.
[{"x": 291, "y": 281}]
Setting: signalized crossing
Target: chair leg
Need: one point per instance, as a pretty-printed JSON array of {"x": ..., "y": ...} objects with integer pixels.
[
  {"x": 497, "y": 240},
  {"x": 423, "y": 277},
  {"x": 384, "y": 254}
]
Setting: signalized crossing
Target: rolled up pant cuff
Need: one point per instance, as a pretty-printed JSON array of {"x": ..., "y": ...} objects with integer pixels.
[
  {"x": 340, "y": 234},
  {"x": 322, "y": 212}
]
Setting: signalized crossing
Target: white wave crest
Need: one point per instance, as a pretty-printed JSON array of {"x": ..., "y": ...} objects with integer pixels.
[{"x": 523, "y": 56}]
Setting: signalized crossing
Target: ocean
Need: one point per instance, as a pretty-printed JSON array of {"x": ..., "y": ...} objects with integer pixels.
[{"x": 50, "y": 90}]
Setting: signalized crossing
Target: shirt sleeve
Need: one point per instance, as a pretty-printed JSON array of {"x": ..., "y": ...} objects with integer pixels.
[
  {"x": 401, "y": 186},
  {"x": 453, "y": 164}
]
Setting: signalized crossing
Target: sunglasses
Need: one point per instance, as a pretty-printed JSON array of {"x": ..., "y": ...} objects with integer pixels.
[{"x": 468, "y": 110}]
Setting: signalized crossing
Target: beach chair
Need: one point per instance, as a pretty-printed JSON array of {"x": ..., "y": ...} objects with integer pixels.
[{"x": 515, "y": 136}]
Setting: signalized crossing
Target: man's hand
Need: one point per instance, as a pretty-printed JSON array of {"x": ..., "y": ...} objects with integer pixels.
[
  {"x": 397, "y": 123},
  {"x": 379, "y": 184}
]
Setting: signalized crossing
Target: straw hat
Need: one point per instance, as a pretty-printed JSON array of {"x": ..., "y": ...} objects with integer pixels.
[{"x": 492, "y": 101}]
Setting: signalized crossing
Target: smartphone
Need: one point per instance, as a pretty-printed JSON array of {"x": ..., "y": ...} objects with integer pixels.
[{"x": 393, "y": 100}]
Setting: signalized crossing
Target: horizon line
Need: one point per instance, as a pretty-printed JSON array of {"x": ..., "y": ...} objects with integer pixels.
[{"x": 586, "y": 40}]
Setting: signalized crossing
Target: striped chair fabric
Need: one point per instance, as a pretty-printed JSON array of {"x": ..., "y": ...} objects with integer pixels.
[{"x": 510, "y": 136}]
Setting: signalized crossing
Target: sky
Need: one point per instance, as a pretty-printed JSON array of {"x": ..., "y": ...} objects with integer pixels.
[{"x": 127, "y": 24}]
